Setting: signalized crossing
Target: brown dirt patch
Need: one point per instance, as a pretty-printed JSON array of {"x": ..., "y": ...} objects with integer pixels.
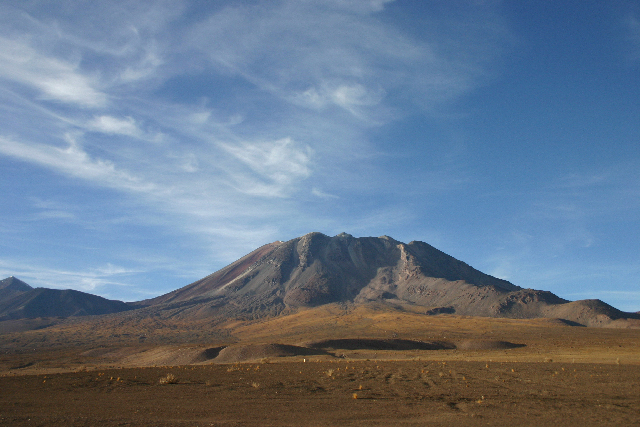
[{"x": 486, "y": 345}]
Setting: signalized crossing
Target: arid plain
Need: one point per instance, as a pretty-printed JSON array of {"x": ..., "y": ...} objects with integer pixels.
[
  {"x": 481, "y": 371},
  {"x": 320, "y": 331}
]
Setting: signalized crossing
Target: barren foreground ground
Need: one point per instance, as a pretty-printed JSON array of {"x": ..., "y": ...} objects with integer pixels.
[
  {"x": 87, "y": 374},
  {"x": 360, "y": 393}
]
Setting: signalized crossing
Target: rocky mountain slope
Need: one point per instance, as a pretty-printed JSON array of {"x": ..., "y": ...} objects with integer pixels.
[
  {"x": 316, "y": 269},
  {"x": 19, "y": 300}
]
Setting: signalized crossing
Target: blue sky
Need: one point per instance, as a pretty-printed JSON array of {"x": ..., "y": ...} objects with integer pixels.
[{"x": 144, "y": 145}]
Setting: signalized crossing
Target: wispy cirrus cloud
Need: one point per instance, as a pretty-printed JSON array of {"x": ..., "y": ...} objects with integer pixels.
[
  {"x": 341, "y": 56},
  {"x": 126, "y": 126},
  {"x": 281, "y": 163},
  {"x": 72, "y": 160},
  {"x": 115, "y": 126},
  {"x": 319, "y": 193},
  {"x": 52, "y": 210},
  {"x": 55, "y": 79},
  {"x": 319, "y": 54}
]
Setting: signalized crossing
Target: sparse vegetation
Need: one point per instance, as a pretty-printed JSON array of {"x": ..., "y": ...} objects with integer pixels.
[{"x": 169, "y": 379}]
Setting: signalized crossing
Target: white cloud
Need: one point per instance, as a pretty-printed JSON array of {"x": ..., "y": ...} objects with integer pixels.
[
  {"x": 127, "y": 126},
  {"x": 317, "y": 54},
  {"x": 279, "y": 164},
  {"x": 311, "y": 98},
  {"x": 142, "y": 69},
  {"x": 319, "y": 193},
  {"x": 353, "y": 97},
  {"x": 320, "y": 53},
  {"x": 55, "y": 78},
  {"x": 74, "y": 161},
  {"x": 190, "y": 163},
  {"x": 113, "y": 125}
]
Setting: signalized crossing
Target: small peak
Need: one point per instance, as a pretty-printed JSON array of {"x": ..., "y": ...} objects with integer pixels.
[
  {"x": 14, "y": 283},
  {"x": 344, "y": 235}
]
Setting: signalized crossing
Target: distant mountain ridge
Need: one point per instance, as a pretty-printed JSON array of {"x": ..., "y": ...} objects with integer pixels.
[
  {"x": 18, "y": 300},
  {"x": 315, "y": 269}
]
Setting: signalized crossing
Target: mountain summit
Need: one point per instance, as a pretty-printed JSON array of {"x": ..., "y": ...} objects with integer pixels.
[
  {"x": 12, "y": 286},
  {"x": 316, "y": 269}
]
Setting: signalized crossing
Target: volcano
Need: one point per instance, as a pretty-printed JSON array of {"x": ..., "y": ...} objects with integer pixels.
[{"x": 316, "y": 269}]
